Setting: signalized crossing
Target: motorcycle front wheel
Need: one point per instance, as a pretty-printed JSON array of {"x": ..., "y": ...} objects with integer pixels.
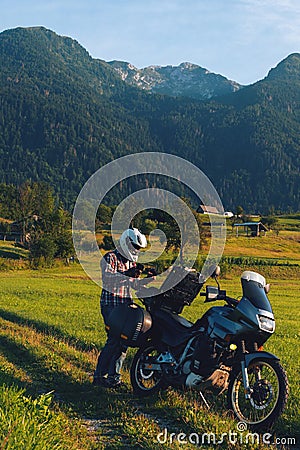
[
  {"x": 269, "y": 393},
  {"x": 144, "y": 380}
]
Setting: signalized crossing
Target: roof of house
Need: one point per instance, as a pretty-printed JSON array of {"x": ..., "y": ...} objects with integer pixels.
[
  {"x": 207, "y": 209},
  {"x": 251, "y": 225}
]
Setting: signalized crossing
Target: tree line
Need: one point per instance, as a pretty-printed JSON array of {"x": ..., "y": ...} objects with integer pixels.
[{"x": 43, "y": 226}]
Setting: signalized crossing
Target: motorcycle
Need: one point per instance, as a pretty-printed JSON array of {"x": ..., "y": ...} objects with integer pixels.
[{"x": 221, "y": 351}]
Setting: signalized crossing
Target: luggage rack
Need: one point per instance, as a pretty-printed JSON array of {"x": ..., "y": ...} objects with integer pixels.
[{"x": 178, "y": 295}]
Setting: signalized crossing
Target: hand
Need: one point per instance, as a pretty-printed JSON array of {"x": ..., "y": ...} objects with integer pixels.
[
  {"x": 135, "y": 272},
  {"x": 147, "y": 280},
  {"x": 151, "y": 272}
]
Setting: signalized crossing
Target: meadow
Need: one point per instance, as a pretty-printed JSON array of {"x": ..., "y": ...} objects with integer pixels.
[{"x": 50, "y": 335}]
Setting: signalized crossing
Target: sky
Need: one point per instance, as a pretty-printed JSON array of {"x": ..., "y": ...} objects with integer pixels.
[{"x": 240, "y": 39}]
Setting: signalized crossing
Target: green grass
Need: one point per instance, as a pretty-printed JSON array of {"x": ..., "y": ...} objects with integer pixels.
[
  {"x": 49, "y": 339},
  {"x": 290, "y": 222},
  {"x": 27, "y": 423},
  {"x": 12, "y": 257},
  {"x": 284, "y": 247}
]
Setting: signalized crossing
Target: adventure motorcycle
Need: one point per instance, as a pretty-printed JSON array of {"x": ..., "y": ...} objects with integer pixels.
[{"x": 220, "y": 351}]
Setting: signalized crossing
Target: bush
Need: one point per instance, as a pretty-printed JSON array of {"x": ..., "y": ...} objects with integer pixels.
[
  {"x": 270, "y": 222},
  {"x": 27, "y": 423},
  {"x": 42, "y": 250},
  {"x": 108, "y": 243},
  {"x": 148, "y": 225},
  {"x": 64, "y": 245}
]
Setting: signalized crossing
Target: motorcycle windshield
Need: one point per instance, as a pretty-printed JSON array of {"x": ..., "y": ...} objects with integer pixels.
[{"x": 256, "y": 294}]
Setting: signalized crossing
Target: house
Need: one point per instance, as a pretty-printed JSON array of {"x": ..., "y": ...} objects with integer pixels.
[
  {"x": 204, "y": 209},
  {"x": 19, "y": 231},
  {"x": 252, "y": 229}
]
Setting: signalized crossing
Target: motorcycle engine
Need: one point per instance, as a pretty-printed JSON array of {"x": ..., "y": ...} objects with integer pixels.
[
  {"x": 186, "y": 368},
  {"x": 205, "y": 358},
  {"x": 203, "y": 370}
]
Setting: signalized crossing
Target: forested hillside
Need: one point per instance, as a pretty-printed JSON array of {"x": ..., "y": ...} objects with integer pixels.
[{"x": 64, "y": 114}]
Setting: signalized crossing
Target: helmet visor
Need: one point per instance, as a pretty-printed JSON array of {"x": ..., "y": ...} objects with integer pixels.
[
  {"x": 135, "y": 246},
  {"x": 132, "y": 246}
]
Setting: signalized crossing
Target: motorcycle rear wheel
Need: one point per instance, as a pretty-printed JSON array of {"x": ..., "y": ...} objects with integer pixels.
[
  {"x": 269, "y": 384},
  {"x": 146, "y": 381}
]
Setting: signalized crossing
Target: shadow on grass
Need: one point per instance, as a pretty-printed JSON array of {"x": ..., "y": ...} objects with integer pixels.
[
  {"x": 74, "y": 394},
  {"x": 8, "y": 253},
  {"x": 50, "y": 330},
  {"x": 84, "y": 399}
]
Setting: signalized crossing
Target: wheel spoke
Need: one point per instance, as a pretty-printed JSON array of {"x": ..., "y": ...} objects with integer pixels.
[
  {"x": 264, "y": 385},
  {"x": 146, "y": 378}
]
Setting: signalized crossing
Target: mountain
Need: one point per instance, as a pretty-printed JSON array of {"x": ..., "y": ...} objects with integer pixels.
[
  {"x": 64, "y": 114},
  {"x": 288, "y": 69},
  {"x": 38, "y": 58},
  {"x": 59, "y": 121},
  {"x": 188, "y": 80}
]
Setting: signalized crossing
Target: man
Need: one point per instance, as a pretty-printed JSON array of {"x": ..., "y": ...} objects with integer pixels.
[{"x": 120, "y": 273}]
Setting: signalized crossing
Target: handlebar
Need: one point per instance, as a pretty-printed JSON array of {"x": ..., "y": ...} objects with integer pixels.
[
  {"x": 213, "y": 293},
  {"x": 232, "y": 301}
]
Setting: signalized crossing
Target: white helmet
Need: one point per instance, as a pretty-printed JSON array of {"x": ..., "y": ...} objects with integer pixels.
[{"x": 131, "y": 241}]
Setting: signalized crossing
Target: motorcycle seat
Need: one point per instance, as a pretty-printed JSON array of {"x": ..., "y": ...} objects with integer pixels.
[
  {"x": 174, "y": 329},
  {"x": 174, "y": 319}
]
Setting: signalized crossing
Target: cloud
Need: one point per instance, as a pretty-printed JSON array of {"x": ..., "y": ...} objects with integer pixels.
[{"x": 280, "y": 17}]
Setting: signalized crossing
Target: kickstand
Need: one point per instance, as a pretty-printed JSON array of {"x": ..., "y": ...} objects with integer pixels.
[{"x": 204, "y": 400}]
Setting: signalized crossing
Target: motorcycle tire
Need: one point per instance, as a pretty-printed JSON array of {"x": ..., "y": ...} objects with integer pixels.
[
  {"x": 269, "y": 384},
  {"x": 146, "y": 381}
]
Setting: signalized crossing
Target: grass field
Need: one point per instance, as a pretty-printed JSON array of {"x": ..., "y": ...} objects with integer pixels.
[
  {"x": 49, "y": 339},
  {"x": 284, "y": 247}
]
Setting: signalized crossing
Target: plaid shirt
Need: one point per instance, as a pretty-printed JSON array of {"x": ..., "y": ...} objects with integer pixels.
[{"x": 116, "y": 286}]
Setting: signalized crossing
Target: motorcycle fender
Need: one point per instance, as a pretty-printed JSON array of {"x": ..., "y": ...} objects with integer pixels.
[{"x": 249, "y": 357}]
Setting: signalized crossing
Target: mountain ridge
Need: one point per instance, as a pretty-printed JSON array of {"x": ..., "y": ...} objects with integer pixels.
[
  {"x": 288, "y": 68},
  {"x": 186, "y": 79},
  {"x": 53, "y": 51}
]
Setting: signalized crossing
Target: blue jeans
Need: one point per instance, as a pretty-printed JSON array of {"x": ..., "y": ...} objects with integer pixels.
[{"x": 113, "y": 354}]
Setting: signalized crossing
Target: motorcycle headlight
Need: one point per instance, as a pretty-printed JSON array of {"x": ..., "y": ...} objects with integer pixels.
[{"x": 266, "y": 324}]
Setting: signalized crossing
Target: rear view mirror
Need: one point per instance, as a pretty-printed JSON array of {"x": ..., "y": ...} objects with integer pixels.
[{"x": 212, "y": 293}]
